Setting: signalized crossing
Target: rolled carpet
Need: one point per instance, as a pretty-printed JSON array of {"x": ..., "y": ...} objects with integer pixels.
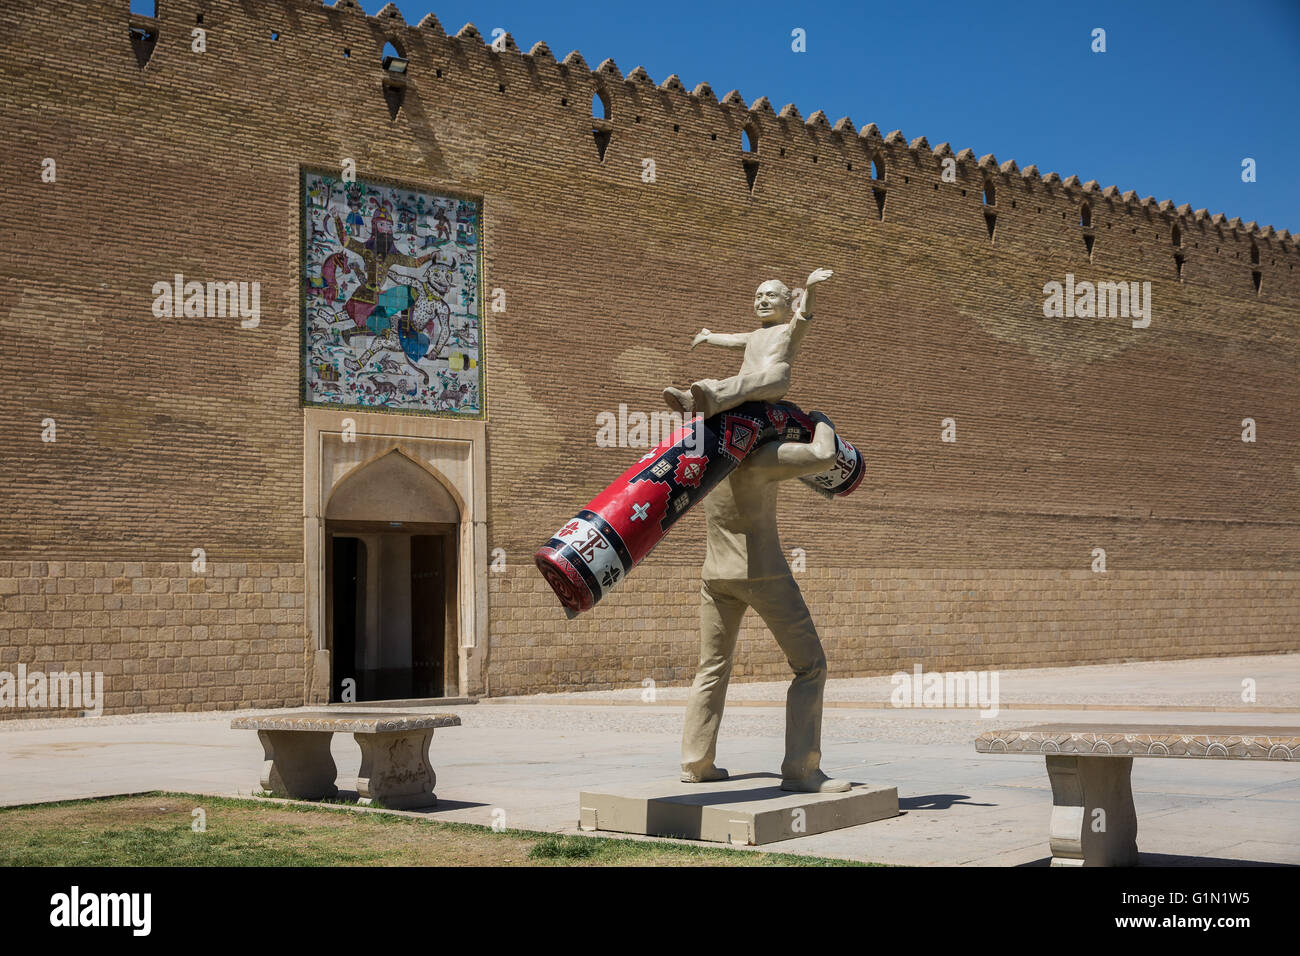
[{"x": 603, "y": 542}]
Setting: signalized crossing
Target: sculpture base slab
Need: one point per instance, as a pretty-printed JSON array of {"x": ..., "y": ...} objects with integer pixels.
[{"x": 746, "y": 810}]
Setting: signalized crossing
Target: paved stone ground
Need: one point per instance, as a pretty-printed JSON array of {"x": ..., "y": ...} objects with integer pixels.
[
  {"x": 529, "y": 757},
  {"x": 1208, "y": 683}
]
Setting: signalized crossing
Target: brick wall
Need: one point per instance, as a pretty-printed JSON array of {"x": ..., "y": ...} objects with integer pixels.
[
  {"x": 881, "y": 620},
  {"x": 1073, "y": 434},
  {"x": 164, "y": 637}
]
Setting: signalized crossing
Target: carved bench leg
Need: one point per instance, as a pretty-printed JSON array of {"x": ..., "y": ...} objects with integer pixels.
[
  {"x": 1080, "y": 834},
  {"x": 395, "y": 770},
  {"x": 298, "y": 764}
]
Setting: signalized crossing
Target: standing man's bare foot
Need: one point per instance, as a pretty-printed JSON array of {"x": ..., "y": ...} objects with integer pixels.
[
  {"x": 704, "y": 776},
  {"x": 816, "y": 782},
  {"x": 679, "y": 400}
]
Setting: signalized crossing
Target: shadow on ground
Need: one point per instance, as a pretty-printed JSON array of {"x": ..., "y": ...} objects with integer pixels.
[
  {"x": 939, "y": 801},
  {"x": 351, "y": 796}
]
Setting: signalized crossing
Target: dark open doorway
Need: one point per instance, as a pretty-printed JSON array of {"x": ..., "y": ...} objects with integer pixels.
[
  {"x": 391, "y": 610},
  {"x": 428, "y": 615},
  {"x": 348, "y": 584}
]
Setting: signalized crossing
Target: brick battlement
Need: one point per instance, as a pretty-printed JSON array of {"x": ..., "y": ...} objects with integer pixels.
[{"x": 433, "y": 53}]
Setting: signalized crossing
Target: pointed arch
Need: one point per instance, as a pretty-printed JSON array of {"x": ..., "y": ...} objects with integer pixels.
[{"x": 394, "y": 486}]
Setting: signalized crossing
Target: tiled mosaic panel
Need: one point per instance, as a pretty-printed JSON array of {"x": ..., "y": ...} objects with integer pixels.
[{"x": 392, "y": 313}]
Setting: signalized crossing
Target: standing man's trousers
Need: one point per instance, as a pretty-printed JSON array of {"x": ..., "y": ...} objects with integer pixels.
[{"x": 781, "y": 606}]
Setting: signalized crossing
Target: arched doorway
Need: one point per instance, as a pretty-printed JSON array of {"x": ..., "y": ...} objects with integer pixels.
[{"x": 392, "y": 532}]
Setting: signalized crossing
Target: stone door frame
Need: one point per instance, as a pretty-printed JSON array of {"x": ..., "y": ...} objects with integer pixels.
[{"x": 454, "y": 452}]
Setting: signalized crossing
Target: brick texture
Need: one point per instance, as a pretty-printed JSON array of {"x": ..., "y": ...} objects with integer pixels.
[
  {"x": 164, "y": 637},
  {"x": 176, "y": 434},
  {"x": 880, "y": 620}
]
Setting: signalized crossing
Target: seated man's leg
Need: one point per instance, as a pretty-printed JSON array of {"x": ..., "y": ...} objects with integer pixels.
[
  {"x": 713, "y": 395},
  {"x": 720, "y": 615},
  {"x": 781, "y": 605}
]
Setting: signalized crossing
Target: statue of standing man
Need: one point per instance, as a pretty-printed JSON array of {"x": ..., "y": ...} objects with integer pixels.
[{"x": 744, "y": 564}]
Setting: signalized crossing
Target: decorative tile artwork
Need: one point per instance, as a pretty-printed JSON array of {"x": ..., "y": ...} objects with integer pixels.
[{"x": 392, "y": 313}]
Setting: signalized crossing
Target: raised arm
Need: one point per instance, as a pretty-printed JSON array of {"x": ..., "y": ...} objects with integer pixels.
[
  {"x": 349, "y": 242},
  {"x": 724, "y": 340},
  {"x": 411, "y": 262},
  {"x": 808, "y": 307}
]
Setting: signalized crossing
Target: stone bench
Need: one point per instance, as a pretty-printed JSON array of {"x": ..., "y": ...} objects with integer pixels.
[
  {"x": 395, "y": 768},
  {"x": 1089, "y": 766}
]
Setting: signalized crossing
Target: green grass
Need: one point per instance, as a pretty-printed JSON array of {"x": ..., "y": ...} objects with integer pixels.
[{"x": 155, "y": 830}]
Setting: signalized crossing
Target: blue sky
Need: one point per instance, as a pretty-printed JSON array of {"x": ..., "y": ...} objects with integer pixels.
[{"x": 1184, "y": 92}]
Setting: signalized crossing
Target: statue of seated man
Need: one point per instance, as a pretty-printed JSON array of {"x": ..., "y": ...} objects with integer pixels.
[{"x": 769, "y": 352}]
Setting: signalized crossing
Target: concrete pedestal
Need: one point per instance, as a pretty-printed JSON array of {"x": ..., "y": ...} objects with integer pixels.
[
  {"x": 297, "y": 764},
  {"x": 1093, "y": 819},
  {"x": 395, "y": 770},
  {"x": 747, "y": 810}
]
